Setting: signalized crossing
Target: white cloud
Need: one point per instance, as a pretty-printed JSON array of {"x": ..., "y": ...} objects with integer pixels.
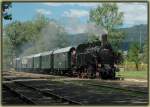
[
  {"x": 89, "y": 4},
  {"x": 75, "y": 13},
  {"x": 73, "y": 4},
  {"x": 43, "y": 11},
  {"x": 53, "y": 4},
  {"x": 134, "y": 13}
]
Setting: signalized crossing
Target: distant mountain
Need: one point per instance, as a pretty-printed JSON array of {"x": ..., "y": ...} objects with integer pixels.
[
  {"x": 136, "y": 33},
  {"x": 76, "y": 39}
]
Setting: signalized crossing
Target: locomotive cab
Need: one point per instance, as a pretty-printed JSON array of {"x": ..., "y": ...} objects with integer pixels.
[{"x": 73, "y": 57}]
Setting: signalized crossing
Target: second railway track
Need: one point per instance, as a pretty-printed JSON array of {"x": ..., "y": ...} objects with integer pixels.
[
  {"x": 138, "y": 90},
  {"x": 34, "y": 96},
  {"x": 118, "y": 88}
]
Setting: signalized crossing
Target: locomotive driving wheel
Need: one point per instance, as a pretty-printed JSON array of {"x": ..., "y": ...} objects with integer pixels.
[
  {"x": 103, "y": 74},
  {"x": 90, "y": 72},
  {"x": 107, "y": 73},
  {"x": 112, "y": 74}
]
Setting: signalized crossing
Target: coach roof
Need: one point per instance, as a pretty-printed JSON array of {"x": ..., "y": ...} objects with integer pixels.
[
  {"x": 46, "y": 53},
  {"x": 67, "y": 49},
  {"x": 37, "y": 55},
  {"x": 30, "y": 56}
]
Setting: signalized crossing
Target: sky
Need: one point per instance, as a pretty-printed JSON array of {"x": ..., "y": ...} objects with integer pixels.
[{"x": 70, "y": 13}]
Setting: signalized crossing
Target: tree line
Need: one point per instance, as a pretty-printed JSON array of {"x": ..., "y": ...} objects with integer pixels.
[{"x": 30, "y": 37}]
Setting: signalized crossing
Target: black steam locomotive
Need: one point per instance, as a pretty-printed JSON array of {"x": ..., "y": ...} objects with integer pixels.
[{"x": 86, "y": 60}]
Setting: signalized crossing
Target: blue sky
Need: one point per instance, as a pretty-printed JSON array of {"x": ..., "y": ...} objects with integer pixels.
[{"x": 70, "y": 13}]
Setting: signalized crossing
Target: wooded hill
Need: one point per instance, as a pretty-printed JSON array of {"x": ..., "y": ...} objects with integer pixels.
[
  {"x": 132, "y": 34},
  {"x": 136, "y": 33}
]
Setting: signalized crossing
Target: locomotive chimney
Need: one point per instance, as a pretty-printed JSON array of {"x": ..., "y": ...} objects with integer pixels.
[{"x": 104, "y": 39}]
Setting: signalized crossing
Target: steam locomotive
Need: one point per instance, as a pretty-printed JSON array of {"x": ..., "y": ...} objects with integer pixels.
[{"x": 85, "y": 60}]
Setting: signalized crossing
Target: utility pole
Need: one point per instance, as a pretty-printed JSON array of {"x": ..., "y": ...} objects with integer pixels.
[{"x": 140, "y": 41}]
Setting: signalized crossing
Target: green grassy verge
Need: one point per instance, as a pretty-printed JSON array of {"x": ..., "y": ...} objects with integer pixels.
[{"x": 134, "y": 74}]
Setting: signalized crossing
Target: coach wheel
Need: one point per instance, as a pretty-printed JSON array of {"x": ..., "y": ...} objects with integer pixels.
[
  {"x": 61, "y": 72},
  {"x": 89, "y": 72},
  {"x": 79, "y": 73}
]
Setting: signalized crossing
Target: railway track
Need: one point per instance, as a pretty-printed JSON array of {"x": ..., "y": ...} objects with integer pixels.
[
  {"x": 34, "y": 96},
  {"x": 49, "y": 93},
  {"x": 11, "y": 97},
  {"x": 56, "y": 93},
  {"x": 18, "y": 92},
  {"x": 112, "y": 86},
  {"x": 118, "y": 88}
]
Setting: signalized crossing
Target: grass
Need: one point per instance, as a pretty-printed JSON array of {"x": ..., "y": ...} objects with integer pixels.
[{"x": 134, "y": 74}]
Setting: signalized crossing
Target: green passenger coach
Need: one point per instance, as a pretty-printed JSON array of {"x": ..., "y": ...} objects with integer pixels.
[
  {"x": 37, "y": 62},
  {"x": 62, "y": 60},
  {"x": 47, "y": 62}
]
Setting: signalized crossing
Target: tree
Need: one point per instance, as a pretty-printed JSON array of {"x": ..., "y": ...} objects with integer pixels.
[
  {"x": 5, "y": 7},
  {"x": 134, "y": 54},
  {"x": 22, "y": 35},
  {"x": 7, "y": 55},
  {"x": 108, "y": 16},
  {"x": 30, "y": 37},
  {"x": 40, "y": 21},
  {"x": 92, "y": 38},
  {"x": 46, "y": 35},
  {"x": 16, "y": 34},
  {"x": 145, "y": 52}
]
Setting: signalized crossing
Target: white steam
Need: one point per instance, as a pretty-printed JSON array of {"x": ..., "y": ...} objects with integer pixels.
[
  {"x": 73, "y": 26},
  {"x": 96, "y": 30},
  {"x": 54, "y": 36}
]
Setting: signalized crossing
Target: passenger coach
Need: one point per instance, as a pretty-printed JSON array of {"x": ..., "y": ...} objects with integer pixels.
[{"x": 57, "y": 62}]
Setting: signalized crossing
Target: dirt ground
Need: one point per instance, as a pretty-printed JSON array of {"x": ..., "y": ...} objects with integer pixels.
[
  {"x": 14, "y": 74},
  {"x": 128, "y": 83}
]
